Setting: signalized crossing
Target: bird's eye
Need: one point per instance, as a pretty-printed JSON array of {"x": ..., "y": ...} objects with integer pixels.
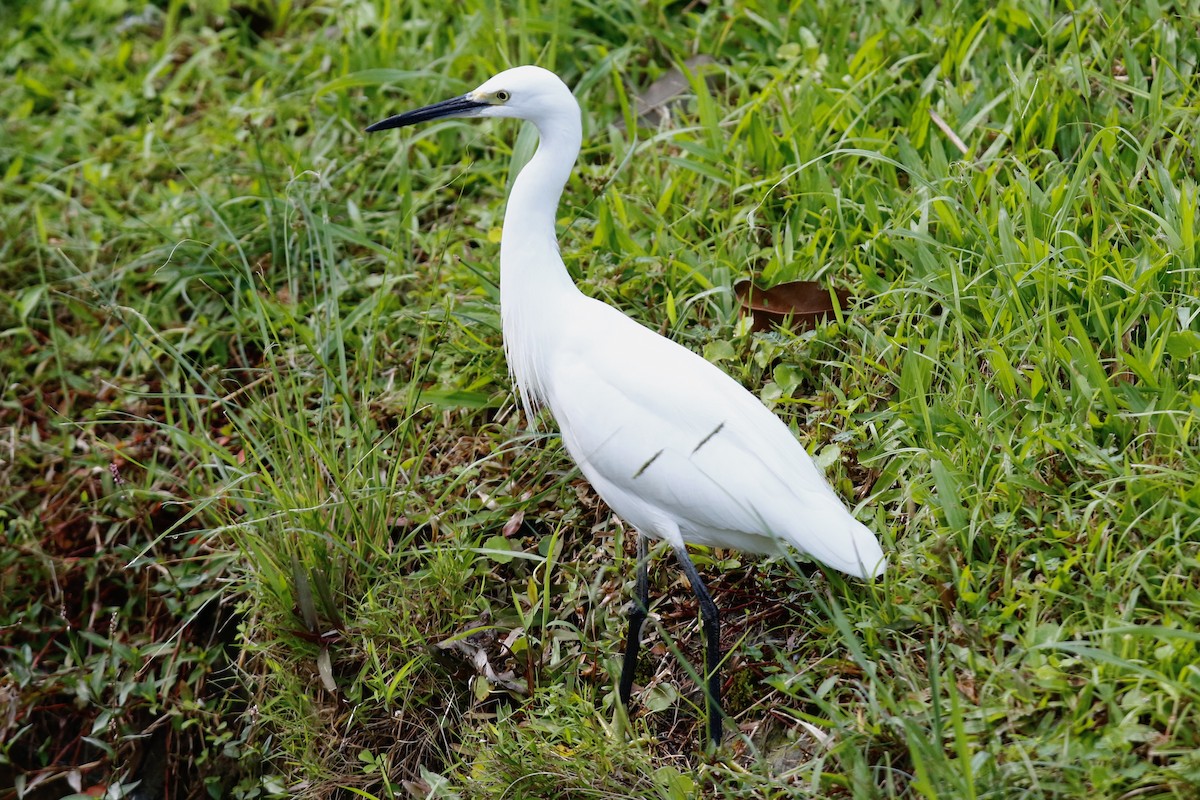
[{"x": 501, "y": 96}]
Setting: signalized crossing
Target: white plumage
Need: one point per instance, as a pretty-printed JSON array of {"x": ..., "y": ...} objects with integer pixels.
[
  {"x": 676, "y": 447},
  {"x": 683, "y": 453}
]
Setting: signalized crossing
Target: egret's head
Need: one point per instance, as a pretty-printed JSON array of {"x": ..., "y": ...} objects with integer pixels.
[{"x": 528, "y": 92}]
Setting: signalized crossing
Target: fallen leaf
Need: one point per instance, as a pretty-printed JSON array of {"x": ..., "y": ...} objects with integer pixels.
[
  {"x": 325, "y": 670},
  {"x": 513, "y": 525},
  {"x": 652, "y": 103},
  {"x": 804, "y": 303},
  {"x": 472, "y": 649}
]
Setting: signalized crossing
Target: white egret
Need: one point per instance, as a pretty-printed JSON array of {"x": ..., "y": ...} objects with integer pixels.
[{"x": 676, "y": 447}]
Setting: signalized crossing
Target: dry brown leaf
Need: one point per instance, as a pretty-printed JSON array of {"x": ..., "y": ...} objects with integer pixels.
[
  {"x": 802, "y": 304},
  {"x": 651, "y": 104},
  {"x": 513, "y": 524}
]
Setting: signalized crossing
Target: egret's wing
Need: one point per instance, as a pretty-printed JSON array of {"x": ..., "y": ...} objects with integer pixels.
[{"x": 663, "y": 434}]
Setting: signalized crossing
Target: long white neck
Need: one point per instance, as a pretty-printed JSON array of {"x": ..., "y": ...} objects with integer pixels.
[{"x": 534, "y": 284}]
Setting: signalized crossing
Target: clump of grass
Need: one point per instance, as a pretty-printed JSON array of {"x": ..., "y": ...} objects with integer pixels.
[{"x": 559, "y": 746}]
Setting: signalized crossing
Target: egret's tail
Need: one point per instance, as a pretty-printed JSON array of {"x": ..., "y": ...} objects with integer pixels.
[
  {"x": 869, "y": 561},
  {"x": 848, "y": 546}
]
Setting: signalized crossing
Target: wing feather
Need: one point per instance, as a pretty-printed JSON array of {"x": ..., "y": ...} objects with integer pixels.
[{"x": 669, "y": 436}]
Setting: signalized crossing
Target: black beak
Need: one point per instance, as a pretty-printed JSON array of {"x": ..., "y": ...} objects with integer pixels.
[{"x": 462, "y": 106}]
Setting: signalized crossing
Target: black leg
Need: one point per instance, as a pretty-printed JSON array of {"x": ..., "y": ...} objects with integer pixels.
[
  {"x": 633, "y": 640},
  {"x": 712, "y": 645}
]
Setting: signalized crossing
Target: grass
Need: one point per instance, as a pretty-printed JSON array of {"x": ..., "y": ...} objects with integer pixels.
[{"x": 276, "y": 527}]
